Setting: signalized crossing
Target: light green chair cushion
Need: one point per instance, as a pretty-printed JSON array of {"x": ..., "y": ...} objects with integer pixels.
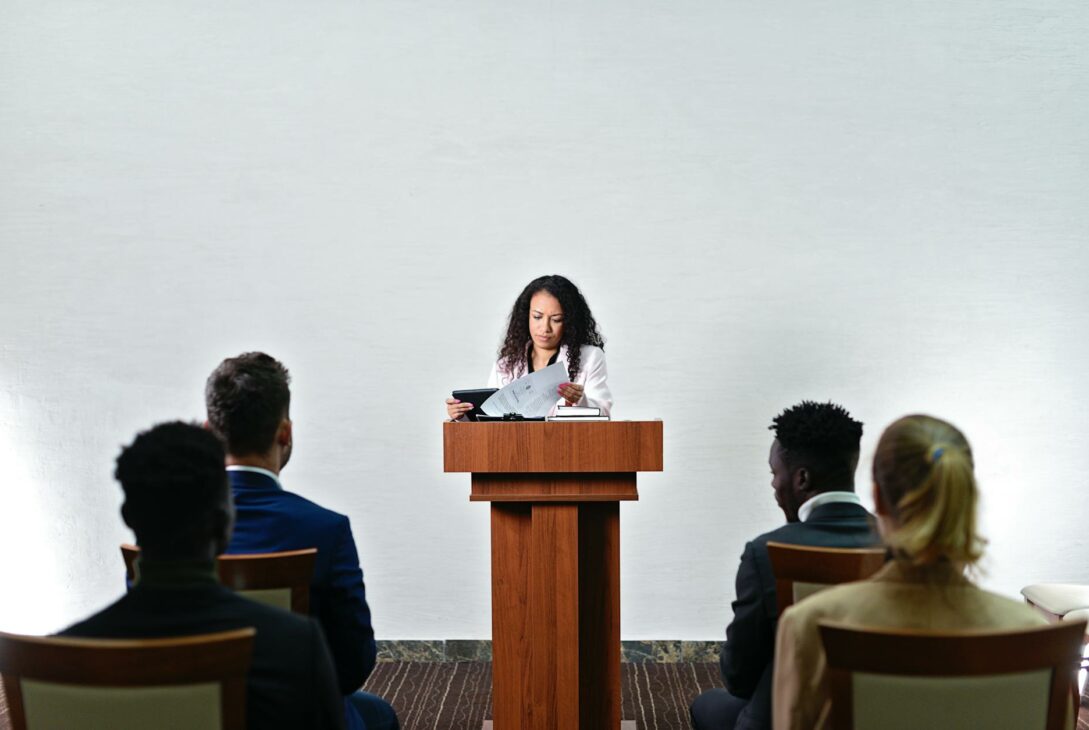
[
  {"x": 52, "y": 706},
  {"x": 998, "y": 702},
  {"x": 278, "y": 597}
]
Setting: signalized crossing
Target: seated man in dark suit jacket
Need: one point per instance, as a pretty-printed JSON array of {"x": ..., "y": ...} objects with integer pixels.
[
  {"x": 178, "y": 504},
  {"x": 813, "y": 460},
  {"x": 248, "y": 400}
]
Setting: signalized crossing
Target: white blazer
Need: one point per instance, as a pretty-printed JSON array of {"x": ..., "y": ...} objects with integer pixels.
[{"x": 592, "y": 377}]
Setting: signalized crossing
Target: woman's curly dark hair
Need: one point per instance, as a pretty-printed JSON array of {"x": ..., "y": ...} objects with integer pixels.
[{"x": 579, "y": 327}]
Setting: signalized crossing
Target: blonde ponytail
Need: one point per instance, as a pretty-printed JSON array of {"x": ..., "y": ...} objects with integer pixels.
[{"x": 924, "y": 470}]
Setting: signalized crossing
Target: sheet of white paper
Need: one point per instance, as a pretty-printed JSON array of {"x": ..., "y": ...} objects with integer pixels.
[{"x": 531, "y": 395}]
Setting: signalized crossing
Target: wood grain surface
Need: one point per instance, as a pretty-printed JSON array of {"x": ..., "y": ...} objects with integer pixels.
[
  {"x": 554, "y": 618},
  {"x": 599, "y": 615},
  {"x": 539, "y": 446},
  {"x": 599, "y": 487},
  {"x": 555, "y": 490},
  {"x": 510, "y": 613}
]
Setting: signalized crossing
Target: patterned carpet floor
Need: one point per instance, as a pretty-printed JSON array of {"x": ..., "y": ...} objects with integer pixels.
[{"x": 457, "y": 695}]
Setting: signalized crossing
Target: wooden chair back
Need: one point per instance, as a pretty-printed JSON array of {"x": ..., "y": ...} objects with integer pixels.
[
  {"x": 193, "y": 682},
  {"x": 898, "y": 679},
  {"x": 801, "y": 570},
  {"x": 277, "y": 579}
]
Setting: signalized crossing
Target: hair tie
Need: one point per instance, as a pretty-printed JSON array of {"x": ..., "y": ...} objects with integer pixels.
[{"x": 936, "y": 454}]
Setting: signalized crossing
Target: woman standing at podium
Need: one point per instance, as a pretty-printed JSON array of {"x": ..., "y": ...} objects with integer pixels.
[{"x": 551, "y": 322}]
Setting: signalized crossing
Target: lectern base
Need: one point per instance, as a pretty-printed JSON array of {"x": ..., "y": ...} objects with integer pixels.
[
  {"x": 624, "y": 725},
  {"x": 555, "y": 491}
]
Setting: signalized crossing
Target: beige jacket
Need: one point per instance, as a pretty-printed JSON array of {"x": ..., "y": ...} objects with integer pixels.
[{"x": 891, "y": 599}]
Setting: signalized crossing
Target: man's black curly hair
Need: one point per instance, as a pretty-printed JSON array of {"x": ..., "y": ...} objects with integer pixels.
[
  {"x": 247, "y": 397},
  {"x": 823, "y": 438},
  {"x": 175, "y": 483}
]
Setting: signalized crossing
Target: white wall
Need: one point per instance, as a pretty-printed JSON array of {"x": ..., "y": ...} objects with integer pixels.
[{"x": 882, "y": 203}]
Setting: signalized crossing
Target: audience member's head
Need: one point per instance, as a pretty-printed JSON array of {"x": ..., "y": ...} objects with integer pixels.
[
  {"x": 925, "y": 492},
  {"x": 815, "y": 450},
  {"x": 248, "y": 400},
  {"x": 176, "y": 496}
]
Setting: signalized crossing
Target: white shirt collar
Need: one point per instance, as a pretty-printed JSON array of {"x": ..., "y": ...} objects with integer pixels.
[
  {"x": 826, "y": 498},
  {"x": 267, "y": 473}
]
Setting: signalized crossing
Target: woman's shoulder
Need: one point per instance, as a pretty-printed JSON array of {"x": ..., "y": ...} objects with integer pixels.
[
  {"x": 1003, "y": 612},
  {"x": 591, "y": 352},
  {"x": 884, "y": 602},
  {"x": 835, "y": 602},
  {"x": 876, "y": 600}
]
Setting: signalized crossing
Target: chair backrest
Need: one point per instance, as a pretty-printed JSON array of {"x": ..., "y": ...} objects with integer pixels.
[
  {"x": 277, "y": 579},
  {"x": 801, "y": 570},
  {"x": 193, "y": 682},
  {"x": 899, "y": 679}
]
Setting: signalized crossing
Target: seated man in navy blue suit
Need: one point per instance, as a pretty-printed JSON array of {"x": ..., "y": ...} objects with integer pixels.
[
  {"x": 813, "y": 460},
  {"x": 248, "y": 400},
  {"x": 178, "y": 504}
]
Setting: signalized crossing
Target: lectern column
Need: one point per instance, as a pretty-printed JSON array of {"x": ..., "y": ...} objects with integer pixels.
[
  {"x": 556, "y": 602},
  {"x": 555, "y": 491}
]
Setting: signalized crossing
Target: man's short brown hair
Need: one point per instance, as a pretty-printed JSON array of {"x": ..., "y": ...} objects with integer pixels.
[{"x": 247, "y": 397}]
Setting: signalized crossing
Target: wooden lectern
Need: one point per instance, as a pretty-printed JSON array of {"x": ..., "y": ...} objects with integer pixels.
[{"x": 555, "y": 490}]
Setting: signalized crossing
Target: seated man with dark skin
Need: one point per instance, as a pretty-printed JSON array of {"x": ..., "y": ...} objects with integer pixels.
[
  {"x": 813, "y": 460},
  {"x": 178, "y": 504}
]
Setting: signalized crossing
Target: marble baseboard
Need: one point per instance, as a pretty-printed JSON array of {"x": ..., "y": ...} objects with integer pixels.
[
  {"x": 467, "y": 650},
  {"x": 624, "y": 725},
  {"x": 408, "y": 650},
  {"x": 669, "y": 652}
]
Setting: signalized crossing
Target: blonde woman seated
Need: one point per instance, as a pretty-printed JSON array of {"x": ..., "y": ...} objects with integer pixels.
[{"x": 925, "y": 497}]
